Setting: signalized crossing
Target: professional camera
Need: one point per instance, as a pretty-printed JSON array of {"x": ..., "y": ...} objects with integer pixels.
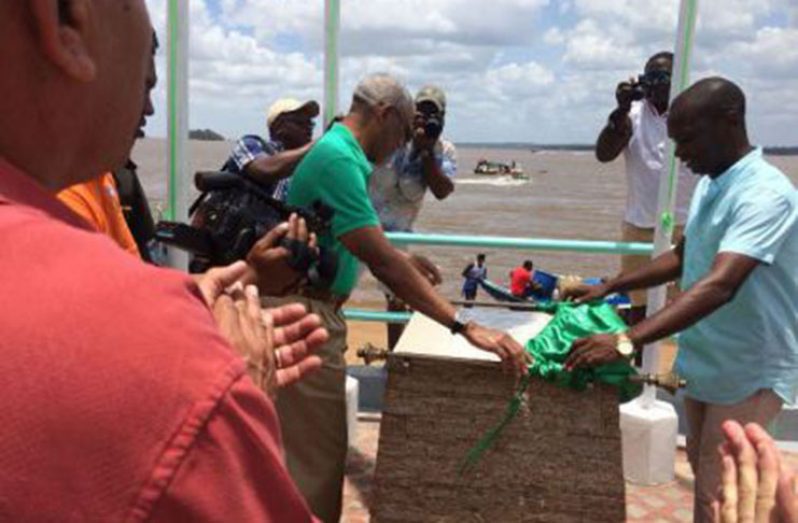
[
  {"x": 232, "y": 214},
  {"x": 433, "y": 126},
  {"x": 646, "y": 82}
]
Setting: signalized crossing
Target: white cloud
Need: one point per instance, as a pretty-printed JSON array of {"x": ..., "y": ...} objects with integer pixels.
[{"x": 524, "y": 70}]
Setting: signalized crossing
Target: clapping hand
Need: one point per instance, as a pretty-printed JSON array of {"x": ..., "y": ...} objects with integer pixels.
[{"x": 757, "y": 485}]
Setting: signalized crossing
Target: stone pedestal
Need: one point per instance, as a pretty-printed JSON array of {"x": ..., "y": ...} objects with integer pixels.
[{"x": 559, "y": 460}]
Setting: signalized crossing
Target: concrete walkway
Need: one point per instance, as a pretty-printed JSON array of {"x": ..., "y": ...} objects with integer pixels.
[{"x": 666, "y": 503}]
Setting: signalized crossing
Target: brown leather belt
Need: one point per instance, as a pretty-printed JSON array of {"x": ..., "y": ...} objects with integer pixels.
[{"x": 336, "y": 300}]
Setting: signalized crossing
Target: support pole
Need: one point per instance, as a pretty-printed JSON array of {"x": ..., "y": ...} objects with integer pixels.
[
  {"x": 332, "y": 26},
  {"x": 649, "y": 427},
  {"x": 688, "y": 14},
  {"x": 177, "y": 100}
]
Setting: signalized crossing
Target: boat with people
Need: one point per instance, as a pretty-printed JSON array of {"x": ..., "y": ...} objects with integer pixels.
[
  {"x": 489, "y": 168},
  {"x": 547, "y": 287}
]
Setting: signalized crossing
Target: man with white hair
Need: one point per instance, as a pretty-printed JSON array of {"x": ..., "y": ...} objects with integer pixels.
[{"x": 336, "y": 173}]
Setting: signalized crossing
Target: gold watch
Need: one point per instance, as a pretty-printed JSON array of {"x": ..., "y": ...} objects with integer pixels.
[{"x": 624, "y": 345}]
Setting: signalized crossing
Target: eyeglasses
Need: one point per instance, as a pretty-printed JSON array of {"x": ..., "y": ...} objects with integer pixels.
[
  {"x": 297, "y": 119},
  {"x": 657, "y": 77}
]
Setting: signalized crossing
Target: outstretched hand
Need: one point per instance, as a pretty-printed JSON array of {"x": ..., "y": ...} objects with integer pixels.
[
  {"x": 514, "y": 358},
  {"x": 276, "y": 344},
  {"x": 757, "y": 486},
  {"x": 215, "y": 282},
  {"x": 583, "y": 293},
  {"x": 593, "y": 351},
  {"x": 296, "y": 334},
  {"x": 269, "y": 259}
]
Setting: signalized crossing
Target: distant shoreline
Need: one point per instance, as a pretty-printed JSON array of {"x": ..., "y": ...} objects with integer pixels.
[{"x": 535, "y": 147}]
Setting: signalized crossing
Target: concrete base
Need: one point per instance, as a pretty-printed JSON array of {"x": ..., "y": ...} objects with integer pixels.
[
  {"x": 352, "y": 393},
  {"x": 648, "y": 433}
]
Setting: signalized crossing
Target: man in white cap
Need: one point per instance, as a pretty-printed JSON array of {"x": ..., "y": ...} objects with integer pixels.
[
  {"x": 397, "y": 189},
  {"x": 271, "y": 163}
]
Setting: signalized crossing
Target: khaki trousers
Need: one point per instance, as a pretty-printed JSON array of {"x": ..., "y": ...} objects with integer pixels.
[
  {"x": 630, "y": 262},
  {"x": 313, "y": 418},
  {"x": 704, "y": 423}
]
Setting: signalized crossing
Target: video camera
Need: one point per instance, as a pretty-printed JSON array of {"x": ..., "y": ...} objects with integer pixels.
[
  {"x": 645, "y": 82},
  {"x": 232, "y": 214},
  {"x": 433, "y": 126}
]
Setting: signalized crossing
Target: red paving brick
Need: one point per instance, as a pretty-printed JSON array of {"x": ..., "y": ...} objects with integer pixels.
[{"x": 661, "y": 504}]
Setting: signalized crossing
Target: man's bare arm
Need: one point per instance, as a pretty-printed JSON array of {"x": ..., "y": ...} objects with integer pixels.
[
  {"x": 665, "y": 268},
  {"x": 440, "y": 184},
  {"x": 614, "y": 137},
  {"x": 729, "y": 271},
  {"x": 392, "y": 268},
  {"x": 270, "y": 169}
]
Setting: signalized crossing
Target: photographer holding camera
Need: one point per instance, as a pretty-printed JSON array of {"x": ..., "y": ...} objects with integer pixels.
[
  {"x": 397, "y": 189},
  {"x": 638, "y": 128}
]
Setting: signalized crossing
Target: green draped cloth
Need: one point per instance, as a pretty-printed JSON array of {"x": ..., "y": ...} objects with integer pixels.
[
  {"x": 550, "y": 349},
  {"x": 571, "y": 322}
]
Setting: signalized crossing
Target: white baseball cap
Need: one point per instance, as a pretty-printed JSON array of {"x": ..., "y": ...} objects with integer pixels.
[{"x": 291, "y": 105}]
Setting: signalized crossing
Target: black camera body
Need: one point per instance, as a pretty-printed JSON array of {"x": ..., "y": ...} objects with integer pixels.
[
  {"x": 433, "y": 126},
  {"x": 232, "y": 214}
]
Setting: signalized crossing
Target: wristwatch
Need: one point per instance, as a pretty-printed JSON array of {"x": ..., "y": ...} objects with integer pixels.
[
  {"x": 458, "y": 326},
  {"x": 624, "y": 345}
]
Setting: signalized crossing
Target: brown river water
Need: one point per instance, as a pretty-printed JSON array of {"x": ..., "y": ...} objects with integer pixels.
[{"x": 569, "y": 195}]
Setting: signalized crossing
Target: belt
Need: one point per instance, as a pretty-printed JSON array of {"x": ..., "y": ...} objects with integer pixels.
[{"x": 336, "y": 300}]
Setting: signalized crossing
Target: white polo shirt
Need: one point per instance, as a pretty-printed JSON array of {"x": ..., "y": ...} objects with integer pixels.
[{"x": 646, "y": 158}]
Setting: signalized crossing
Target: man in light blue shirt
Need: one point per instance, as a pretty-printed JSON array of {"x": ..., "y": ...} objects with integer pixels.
[{"x": 738, "y": 263}]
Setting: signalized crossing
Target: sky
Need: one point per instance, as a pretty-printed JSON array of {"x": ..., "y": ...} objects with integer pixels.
[{"x": 538, "y": 71}]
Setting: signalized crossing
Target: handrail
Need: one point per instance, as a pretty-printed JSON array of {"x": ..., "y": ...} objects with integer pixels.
[
  {"x": 498, "y": 242},
  {"x": 537, "y": 244},
  {"x": 378, "y": 316}
]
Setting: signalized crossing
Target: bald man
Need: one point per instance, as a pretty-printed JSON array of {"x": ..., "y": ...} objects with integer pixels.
[
  {"x": 122, "y": 398},
  {"x": 738, "y": 347}
]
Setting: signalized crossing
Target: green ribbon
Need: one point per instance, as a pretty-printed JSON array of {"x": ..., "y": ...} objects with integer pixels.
[
  {"x": 550, "y": 349},
  {"x": 668, "y": 222}
]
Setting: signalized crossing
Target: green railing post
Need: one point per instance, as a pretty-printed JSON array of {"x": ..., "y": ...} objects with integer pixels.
[
  {"x": 332, "y": 24},
  {"x": 685, "y": 32},
  {"x": 177, "y": 101}
]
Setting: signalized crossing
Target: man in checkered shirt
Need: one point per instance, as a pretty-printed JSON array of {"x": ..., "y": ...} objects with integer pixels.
[{"x": 271, "y": 163}]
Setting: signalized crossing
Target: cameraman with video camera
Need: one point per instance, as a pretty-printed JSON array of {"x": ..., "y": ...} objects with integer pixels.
[
  {"x": 397, "y": 189},
  {"x": 638, "y": 128}
]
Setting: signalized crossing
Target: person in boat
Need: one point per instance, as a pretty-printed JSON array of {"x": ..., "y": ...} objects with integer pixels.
[
  {"x": 738, "y": 341},
  {"x": 397, "y": 189},
  {"x": 522, "y": 280},
  {"x": 336, "y": 171},
  {"x": 473, "y": 273},
  {"x": 271, "y": 163},
  {"x": 637, "y": 127},
  {"x": 126, "y": 395}
]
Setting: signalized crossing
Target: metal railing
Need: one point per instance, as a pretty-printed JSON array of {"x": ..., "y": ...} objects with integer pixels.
[{"x": 494, "y": 242}]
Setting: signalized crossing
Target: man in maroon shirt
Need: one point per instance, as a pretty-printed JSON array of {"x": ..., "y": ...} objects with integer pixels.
[{"x": 122, "y": 399}]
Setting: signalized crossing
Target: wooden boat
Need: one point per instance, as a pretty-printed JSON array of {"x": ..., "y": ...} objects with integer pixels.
[{"x": 486, "y": 168}]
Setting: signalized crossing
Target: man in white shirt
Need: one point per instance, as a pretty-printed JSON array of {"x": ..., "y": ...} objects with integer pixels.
[{"x": 638, "y": 128}]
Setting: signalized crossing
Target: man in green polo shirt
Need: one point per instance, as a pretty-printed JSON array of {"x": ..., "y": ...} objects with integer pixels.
[{"x": 336, "y": 172}]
